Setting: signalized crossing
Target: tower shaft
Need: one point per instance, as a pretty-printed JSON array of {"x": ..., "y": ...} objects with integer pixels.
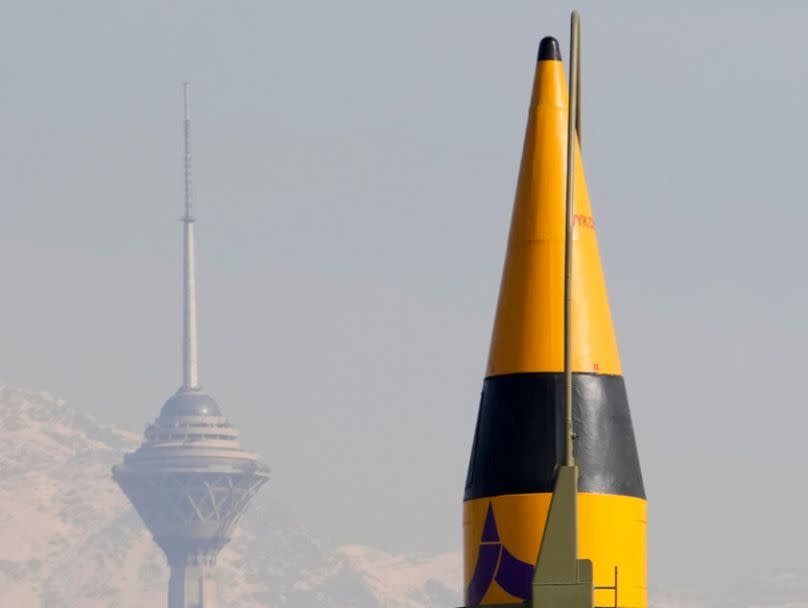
[
  {"x": 192, "y": 587},
  {"x": 192, "y": 583}
]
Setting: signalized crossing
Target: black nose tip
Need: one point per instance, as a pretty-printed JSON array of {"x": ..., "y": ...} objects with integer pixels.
[{"x": 549, "y": 49}]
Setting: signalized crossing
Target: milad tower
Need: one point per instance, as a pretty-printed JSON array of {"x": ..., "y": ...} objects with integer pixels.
[{"x": 190, "y": 481}]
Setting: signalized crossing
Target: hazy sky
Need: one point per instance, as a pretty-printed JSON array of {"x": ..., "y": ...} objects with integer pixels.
[{"x": 354, "y": 169}]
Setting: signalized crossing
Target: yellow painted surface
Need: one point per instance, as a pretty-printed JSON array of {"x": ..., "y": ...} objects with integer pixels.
[
  {"x": 611, "y": 532},
  {"x": 528, "y": 330}
]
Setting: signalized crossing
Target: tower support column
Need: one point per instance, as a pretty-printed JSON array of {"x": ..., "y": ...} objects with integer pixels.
[
  {"x": 192, "y": 587},
  {"x": 193, "y": 582}
]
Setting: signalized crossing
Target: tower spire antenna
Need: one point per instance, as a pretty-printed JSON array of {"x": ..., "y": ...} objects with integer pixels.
[
  {"x": 190, "y": 372},
  {"x": 187, "y": 133}
]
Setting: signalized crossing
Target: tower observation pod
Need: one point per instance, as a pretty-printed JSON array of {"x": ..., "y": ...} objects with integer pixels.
[
  {"x": 523, "y": 456},
  {"x": 190, "y": 481}
]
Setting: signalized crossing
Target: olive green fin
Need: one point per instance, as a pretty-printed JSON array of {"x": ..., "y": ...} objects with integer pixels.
[{"x": 561, "y": 580}]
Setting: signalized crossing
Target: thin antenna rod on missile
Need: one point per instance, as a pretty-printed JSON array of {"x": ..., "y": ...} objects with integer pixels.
[
  {"x": 578, "y": 89},
  {"x": 190, "y": 374},
  {"x": 572, "y": 118}
]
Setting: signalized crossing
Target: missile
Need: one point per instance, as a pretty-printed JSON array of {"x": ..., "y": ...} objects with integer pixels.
[{"x": 554, "y": 410}]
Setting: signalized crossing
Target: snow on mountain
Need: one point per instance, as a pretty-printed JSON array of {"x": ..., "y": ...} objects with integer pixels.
[
  {"x": 777, "y": 588},
  {"x": 392, "y": 575},
  {"x": 667, "y": 599},
  {"x": 70, "y": 539},
  {"x": 782, "y": 588}
]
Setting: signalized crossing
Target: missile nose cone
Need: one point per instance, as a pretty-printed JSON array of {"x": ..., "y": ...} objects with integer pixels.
[{"x": 549, "y": 50}]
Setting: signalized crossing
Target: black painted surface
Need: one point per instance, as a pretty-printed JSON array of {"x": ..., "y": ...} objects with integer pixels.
[
  {"x": 549, "y": 49},
  {"x": 519, "y": 438}
]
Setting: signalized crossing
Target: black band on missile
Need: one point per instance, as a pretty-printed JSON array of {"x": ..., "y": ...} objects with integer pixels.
[
  {"x": 519, "y": 438},
  {"x": 549, "y": 49}
]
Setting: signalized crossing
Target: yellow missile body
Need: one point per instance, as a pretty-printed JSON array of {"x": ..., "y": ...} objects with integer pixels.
[{"x": 519, "y": 438}]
